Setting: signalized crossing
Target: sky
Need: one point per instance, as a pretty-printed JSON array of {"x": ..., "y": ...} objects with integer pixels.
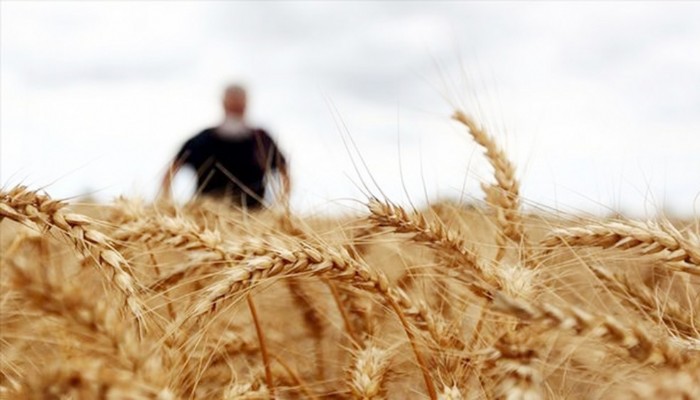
[{"x": 597, "y": 103}]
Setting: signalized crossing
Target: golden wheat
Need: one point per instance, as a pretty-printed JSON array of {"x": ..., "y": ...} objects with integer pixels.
[{"x": 204, "y": 301}]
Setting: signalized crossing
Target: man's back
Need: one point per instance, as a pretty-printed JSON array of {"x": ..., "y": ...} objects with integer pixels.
[{"x": 232, "y": 166}]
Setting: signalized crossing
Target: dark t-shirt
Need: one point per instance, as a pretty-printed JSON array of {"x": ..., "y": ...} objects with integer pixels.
[{"x": 232, "y": 167}]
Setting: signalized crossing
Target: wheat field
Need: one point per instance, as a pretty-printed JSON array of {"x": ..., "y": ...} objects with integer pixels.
[{"x": 132, "y": 300}]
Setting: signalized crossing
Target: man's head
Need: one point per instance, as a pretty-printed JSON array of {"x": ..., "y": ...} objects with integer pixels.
[{"x": 234, "y": 101}]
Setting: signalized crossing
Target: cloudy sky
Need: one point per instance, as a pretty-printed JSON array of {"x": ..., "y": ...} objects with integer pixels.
[{"x": 597, "y": 103}]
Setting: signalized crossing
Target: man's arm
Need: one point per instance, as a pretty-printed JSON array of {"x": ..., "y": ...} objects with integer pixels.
[
  {"x": 272, "y": 159},
  {"x": 166, "y": 184},
  {"x": 280, "y": 162},
  {"x": 286, "y": 183},
  {"x": 183, "y": 156}
]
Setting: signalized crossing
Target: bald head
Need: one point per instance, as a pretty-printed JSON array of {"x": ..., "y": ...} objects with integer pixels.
[{"x": 234, "y": 101}]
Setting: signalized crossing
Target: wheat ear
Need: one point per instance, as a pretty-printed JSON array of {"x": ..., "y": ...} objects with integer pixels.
[
  {"x": 368, "y": 373},
  {"x": 677, "y": 319},
  {"x": 41, "y": 212},
  {"x": 434, "y": 235},
  {"x": 677, "y": 253},
  {"x": 451, "y": 393},
  {"x": 504, "y": 196},
  {"x": 633, "y": 339},
  {"x": 517, "y": 377},
  {"x": 674, "y": 384},
  {"x": 462, "y": 262}
]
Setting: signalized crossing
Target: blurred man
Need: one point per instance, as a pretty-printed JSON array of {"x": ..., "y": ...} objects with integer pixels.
[{"x": 232, "y": 160}]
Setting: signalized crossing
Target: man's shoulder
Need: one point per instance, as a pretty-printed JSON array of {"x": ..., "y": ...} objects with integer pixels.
[
  {"x": 202, "y": 137},
  {"x": 262, "y": 133},
  {"x": 205, "y": 134}
]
